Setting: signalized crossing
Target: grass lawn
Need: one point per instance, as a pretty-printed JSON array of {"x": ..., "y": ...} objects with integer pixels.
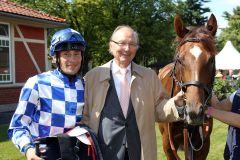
[
  {"x": 7, "y": 150},
  {"x": 218, "y": 137}
]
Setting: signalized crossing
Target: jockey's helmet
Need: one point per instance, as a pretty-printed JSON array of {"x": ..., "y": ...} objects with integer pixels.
[{"x": 67, "y": 39}]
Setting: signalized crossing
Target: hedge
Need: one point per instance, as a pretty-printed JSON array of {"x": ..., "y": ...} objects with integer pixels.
[{"x": 223, "y": 88}]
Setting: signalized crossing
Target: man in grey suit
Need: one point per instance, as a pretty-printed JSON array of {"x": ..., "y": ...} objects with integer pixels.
[{"x": 126, "y": 132}]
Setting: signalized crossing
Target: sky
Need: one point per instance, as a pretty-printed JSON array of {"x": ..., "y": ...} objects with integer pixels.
[{"x": 217, "y": 7}]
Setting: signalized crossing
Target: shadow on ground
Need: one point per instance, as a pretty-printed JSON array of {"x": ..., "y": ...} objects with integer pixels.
[{"x": 5, "y": 118}]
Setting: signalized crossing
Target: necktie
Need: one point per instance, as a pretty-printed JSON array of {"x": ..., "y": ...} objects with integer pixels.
[{"x": 124, "y": 92}]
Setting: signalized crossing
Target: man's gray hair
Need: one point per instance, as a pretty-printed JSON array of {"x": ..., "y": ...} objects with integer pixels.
[{"x": 126, "y": 26}]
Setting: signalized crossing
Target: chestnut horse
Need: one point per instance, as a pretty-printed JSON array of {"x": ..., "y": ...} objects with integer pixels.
[{"x": 192, "y": 72}]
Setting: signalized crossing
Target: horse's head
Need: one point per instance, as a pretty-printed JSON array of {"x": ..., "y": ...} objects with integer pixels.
[{"x": 194, "y": 66}]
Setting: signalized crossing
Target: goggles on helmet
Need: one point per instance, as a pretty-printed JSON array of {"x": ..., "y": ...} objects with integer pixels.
[
  {"x": 67, "y": 39},
  {"x": 69, "y": 46}
]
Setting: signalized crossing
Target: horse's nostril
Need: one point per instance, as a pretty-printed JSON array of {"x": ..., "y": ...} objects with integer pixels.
[
  {"x": 192, "y": 115},
  {"x": 201, "y": 110}
]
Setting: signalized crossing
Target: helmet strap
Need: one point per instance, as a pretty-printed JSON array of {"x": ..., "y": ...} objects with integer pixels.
[{"x": 57, "y": 60}]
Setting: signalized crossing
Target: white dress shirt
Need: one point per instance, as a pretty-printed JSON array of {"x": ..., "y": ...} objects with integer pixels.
[{"x": 117, "y": 76}]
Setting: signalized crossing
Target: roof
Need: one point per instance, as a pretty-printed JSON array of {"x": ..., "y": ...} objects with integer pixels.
[
  {"x": 9, "y": 8},
  {"x": 228, "y": 57}
]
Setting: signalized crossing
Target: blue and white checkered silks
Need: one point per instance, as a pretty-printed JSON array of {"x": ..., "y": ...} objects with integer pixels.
[{"x": 48, "y": 105}]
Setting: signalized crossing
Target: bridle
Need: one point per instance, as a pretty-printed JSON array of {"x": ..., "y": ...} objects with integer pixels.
[{"x": 183, "y": 86}]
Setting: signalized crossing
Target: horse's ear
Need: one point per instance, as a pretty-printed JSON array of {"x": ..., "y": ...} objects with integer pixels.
[
  {"x": 212, "y": 24},
  {"x": 179, "y": 27}
]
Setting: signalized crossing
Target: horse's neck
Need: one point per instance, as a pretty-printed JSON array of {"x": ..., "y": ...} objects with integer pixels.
[
  {"x": 165, "y": 75},
  {"x": 166, "y": 71}
]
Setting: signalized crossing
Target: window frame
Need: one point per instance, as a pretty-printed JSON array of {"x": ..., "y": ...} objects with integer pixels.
[{"x": 10, "y": 74}]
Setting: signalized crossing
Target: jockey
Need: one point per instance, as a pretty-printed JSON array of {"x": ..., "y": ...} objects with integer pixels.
[{"x": 51, "y": 103}]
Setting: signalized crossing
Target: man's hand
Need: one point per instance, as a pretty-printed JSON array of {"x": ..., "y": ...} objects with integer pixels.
[
  {"x": 31, "y": 154},
  {"x": 179, "y": 99},
  {"x": 180, "y": 103}
]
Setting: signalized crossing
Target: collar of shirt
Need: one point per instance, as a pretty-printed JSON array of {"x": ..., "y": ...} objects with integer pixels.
[
  {"x": 116, "y": 69},
  {"x": 117, "y": 75}
]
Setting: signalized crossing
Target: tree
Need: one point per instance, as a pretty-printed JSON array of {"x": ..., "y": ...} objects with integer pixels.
[
  {"x": 96, "y": 20},
  {"x": 53, "y": 7},
  {"x": 153, "y": 19},
  {"x": 232, "y": 31},
  {"x": 192, "y": 12}
]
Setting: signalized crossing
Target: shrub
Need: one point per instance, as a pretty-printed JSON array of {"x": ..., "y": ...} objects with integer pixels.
[{"x": 223, "y": 88}]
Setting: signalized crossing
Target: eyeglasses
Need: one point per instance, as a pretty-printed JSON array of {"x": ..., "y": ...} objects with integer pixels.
[{"x": 124, "y": 44}]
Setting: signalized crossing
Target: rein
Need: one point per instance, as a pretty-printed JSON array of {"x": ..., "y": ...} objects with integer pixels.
[{"x": 183, "y": 86}]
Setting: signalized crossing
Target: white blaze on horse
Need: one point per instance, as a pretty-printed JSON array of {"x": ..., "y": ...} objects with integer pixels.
[{"x": 192, "y": 72}]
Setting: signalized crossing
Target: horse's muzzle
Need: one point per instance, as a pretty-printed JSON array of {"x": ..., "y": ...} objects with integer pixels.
[{"x": 193, "y": 117}]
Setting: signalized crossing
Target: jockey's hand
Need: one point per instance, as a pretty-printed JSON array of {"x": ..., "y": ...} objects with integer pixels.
[
  {"x": 179, "y": 99},
  {"x": 31, "y": 154},
  {"x": 209, "y": 111}
]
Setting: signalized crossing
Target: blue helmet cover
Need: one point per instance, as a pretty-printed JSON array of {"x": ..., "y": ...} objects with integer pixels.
[{"x": 64, "y": 36}]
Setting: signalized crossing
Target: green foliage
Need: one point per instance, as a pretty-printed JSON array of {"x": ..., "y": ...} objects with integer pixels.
[
  {"x": 192, "y": 12},
  {"x": 223, "y": 88},
  {"x": 232, "y": 31},
  {"x": 53, "y": 7},
  {"x": 96, "y": 20}
]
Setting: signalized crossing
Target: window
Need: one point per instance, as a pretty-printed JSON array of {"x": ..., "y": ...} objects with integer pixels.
[{"x": 5, "y": 70}]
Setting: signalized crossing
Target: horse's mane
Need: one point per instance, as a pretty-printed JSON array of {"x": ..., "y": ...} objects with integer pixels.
[{"x": 201, "y": 33}]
